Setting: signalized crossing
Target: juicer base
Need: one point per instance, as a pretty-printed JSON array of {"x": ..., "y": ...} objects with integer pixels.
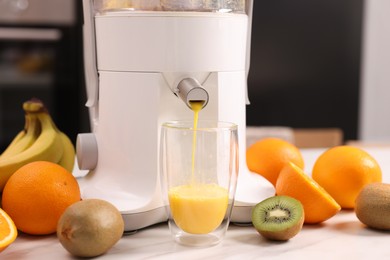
[{"x": 135, "y": 221}]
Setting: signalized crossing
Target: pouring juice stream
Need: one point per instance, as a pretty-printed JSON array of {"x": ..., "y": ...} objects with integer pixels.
[
  {"x": 196, "y": 106},
  {"x": 198, "y": 208}
]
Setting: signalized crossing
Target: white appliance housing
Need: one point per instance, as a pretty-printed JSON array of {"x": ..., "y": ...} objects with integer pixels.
[
  {"x": 374, "y": 124},
  {"x": 132, "y": 78}
]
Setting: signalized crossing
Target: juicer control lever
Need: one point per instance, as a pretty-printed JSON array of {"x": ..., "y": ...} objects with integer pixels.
[{"x": 189, "y": 89}]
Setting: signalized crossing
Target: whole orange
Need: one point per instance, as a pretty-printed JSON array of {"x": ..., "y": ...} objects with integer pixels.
[
  {"x": 318, "y": 205},
  {"x": 268, "y": 156},
  {"x": 343, "y": 171},
  {"x": 37, "y": 194}
]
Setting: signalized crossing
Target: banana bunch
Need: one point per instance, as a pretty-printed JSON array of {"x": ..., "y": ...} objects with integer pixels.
[{"x": 40, "y": 140}]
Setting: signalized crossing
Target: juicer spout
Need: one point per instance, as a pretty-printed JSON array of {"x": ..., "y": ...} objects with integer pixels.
[{"x": 190, "y": 90}]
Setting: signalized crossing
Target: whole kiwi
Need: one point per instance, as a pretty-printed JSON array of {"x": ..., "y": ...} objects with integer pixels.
[
  {"x": 372, "y": 206},
  {"x": 90, "y": 227},
  {"x": 278, "y": 217}
]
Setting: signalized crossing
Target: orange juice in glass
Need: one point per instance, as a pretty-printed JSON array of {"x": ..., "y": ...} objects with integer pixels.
[{"x": 198, "y": 177}]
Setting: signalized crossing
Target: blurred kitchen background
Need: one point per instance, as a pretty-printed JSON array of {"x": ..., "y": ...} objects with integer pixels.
[
  {"x": 314, "y": 64},
  {"x": 321, "y": 64},
  {"x": 41, "y": 57}
]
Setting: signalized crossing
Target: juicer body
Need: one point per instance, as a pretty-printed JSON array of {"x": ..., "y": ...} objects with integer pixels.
[{"x": 140, "y": 58}]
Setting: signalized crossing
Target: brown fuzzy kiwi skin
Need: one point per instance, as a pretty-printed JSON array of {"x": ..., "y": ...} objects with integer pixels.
[
  {"x": 372, "y": 206},
  {"x": 90, "y": 227},
  {"x": 285, "y": 234}
]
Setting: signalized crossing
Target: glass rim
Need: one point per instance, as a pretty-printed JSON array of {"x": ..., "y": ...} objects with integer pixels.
[{"x": 203, "y": 125}]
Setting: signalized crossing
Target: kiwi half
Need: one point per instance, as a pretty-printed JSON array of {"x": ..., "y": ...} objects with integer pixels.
[{"x": 278, "y": 217}]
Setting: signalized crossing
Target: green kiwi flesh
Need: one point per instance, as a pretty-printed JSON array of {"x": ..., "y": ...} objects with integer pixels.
[
  {"x": 278, "y": 217},
  {"x": 372, "y": 205}
]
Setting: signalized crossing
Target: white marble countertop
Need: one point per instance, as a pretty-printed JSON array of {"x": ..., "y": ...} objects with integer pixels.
[{"x": 341, "y": 237}]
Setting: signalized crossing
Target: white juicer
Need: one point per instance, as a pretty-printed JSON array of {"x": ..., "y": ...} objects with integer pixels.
[{"x": 142, "y": 67}]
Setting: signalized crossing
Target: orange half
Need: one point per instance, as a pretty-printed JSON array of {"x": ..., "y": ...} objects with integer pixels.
[
  {"x": 317, "y": 203},
  {"x": 8, "y": 231}
]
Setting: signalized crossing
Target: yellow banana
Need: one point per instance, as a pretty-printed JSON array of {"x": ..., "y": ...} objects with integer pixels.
[
  {"x": 14, "y": 147},
  {"x": 68, "y": 156},
  {"x": 14, "y": 141},
  {"x": 69, "y": 152},
  {"x": 32, "y": 130},
  {"x": 34, "y": 105},
  {"x": 47, "y": 147}
]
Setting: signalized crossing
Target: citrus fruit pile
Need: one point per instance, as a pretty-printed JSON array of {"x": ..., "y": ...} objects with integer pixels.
[
  {"x": 268, "y": 156},
  {"x": 338, "y": 175}
]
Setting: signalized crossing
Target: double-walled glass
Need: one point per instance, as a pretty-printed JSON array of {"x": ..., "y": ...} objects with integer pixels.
[{"x": 199, "y": 170}]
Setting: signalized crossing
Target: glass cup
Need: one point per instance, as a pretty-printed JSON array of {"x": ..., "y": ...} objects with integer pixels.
[{"x": 199, "y": 170}]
